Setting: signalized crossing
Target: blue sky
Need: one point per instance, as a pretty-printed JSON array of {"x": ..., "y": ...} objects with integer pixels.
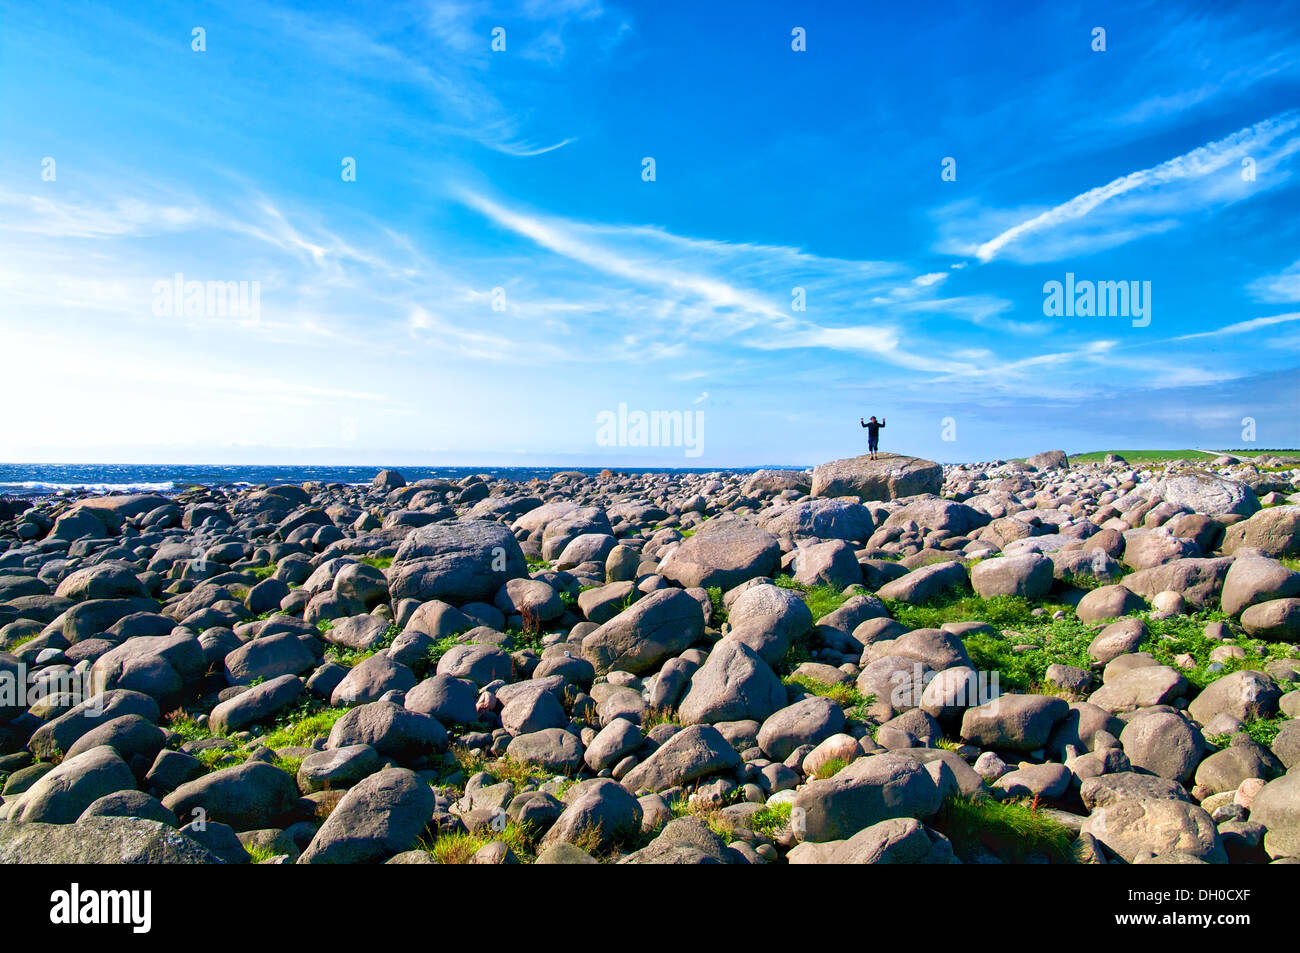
[{"x": 376, "y": 339}]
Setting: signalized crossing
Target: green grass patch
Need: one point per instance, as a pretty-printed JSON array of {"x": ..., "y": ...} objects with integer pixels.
[
  {"x": 1001, "y": 612},
  {"x": 1262, "y": 731},
  {"x": 1065, "y": 641},
  {"x": 1012, "y": 830},
  {"x": 377, "y": 562},
  {"x": 771, "y": 819},
  {"x": 821, "y": 600},
  {"x": 459, "y": 847},
  {"x": 844, "y": 694},
  {"x": 183, "y": 723},
  {"x": 289, "y": 765},
  {"x": 262, "y": 572},
  {"x": 711, "y": 816},
  {"x": 298, "y": 728},
  {"x": 439, "y": 649},
  {"x": 658, "y": 716},
  {"x": 1184, "y": 635},
  {"x": 259, "y": 853},
  {"x": 518, "y": 773},
  {"x": 214, "y": 759},
  {"x": 1144, "y": 456},
  {"x": 351, "y": 657},
  {"x": 719, "y": 609},
  {"x": 829, "y": 769}
]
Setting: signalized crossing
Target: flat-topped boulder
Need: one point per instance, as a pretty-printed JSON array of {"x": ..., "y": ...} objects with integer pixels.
[{"x": 888, "y": 477}]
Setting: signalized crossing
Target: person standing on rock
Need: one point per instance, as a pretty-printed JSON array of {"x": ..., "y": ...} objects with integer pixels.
[{"x": 873, "y": 433}]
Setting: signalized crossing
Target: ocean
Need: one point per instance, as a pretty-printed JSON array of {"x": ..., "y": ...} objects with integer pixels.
[{"x": 36, "y": 480}]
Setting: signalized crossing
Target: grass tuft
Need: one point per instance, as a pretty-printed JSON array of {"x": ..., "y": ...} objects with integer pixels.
[{"x": 1012, "y": 830}]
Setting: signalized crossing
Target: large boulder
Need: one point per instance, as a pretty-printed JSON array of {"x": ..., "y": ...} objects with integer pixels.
[
  {"x": 724, "y": 552},
  {"x": 1255, "y": 579},
  {"x": 618, "y": 739},
  {"x": 54, "y": 738},
  {"x": 391, "y": 730},
  {"x": 1201, "y": 492},
  {"x": 114, "y": 509},
  {"x": 1118, "y": 638},
  {"x": 733, "y": 684},
  {"x": 61, "y": 794},
  {"x": 774, "y": 481},
  {"x": 478, "y": 662},
  {"x": 1133, "y": 826},
  {"x": 1277, "y": 807},
  {"x": 564, "y": 529},
  {"x": 380, "y": 816},
  {"x": 822, "y": 518},
  {"x": 130, "y": 736},
  {"x": 248, "y": 797},
  {"x": 768, "y": 619},
  {"x": 1049, "y": 460},
  {"x": 1275, "y": 620},
  {"x": 256, "y": 704},
  {"x": 685, "y": 840},
  {"x": 1107, "y": 789},
  {"x": 899, "y": 840},
  {"x": 832, "y": 563},
  {"x": 1246, "y": 695},
  {"x": 690, "y": 754},
  {"x": 554, "y": 749},
  {"x": 807, "y": 722},
  {"x": 1140, "y": 687},
  {"x": 1028, "y": 576},
  {"x": 866, "y": 792},
  {"x": 158, "y": 666},
  {"x": 638, "y": 639},
  {"x": 1163, "y": 743},
  {"x": 1108, "y": 602},
  {"x": 107, "y": 580},
  {"x": 448, "y": 699},
  {"x": 601, "y": 812},
  {"x": 934, "y": 513},
  {"x": 457, "y": 562},
  {"x": 370, "y": 680},
  {"x": 888, "y": 477},
  {"x": 1275, "y": 530},
  {"x": 926, "y": 584},
  {"x": 269, "y": 657},
  {"x": 1015, "y": 722},
  {"x": 1197, "y": 580},
  {"x": 337, "y": 768},
  {"x": 101, "y": 840}
]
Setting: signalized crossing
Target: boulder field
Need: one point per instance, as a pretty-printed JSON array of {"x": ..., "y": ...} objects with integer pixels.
[{"x": 886, "y": 661}]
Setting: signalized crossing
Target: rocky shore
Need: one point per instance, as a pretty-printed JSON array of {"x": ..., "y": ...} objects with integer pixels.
[{"x": 885, "y": 661}]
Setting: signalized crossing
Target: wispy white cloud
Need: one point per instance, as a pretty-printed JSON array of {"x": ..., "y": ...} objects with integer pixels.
[
  {"x": 1242, "y": 327},
  {"x": 1154, "y": 199},
  {"x": 1282, "y": 287}
]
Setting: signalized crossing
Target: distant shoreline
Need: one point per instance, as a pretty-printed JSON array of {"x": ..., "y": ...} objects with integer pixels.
[{"x": 34, "y": 481}]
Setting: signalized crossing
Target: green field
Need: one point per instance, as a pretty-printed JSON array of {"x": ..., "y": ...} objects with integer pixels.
[{"x": 1164, "y": 456}]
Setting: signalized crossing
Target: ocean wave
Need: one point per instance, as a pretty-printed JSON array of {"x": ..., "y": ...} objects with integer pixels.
[{"x": 40, "y": 486}]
